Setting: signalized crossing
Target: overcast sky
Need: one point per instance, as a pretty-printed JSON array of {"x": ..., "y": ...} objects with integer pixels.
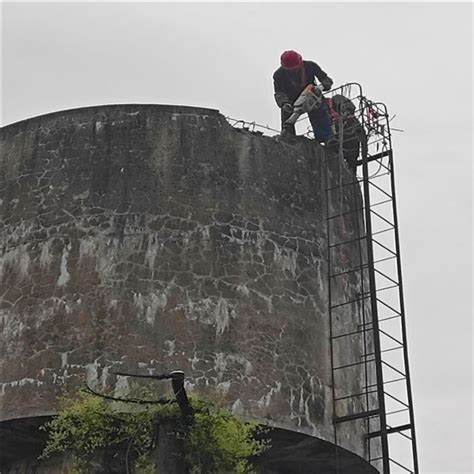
[{"x": 417, "y": 58}]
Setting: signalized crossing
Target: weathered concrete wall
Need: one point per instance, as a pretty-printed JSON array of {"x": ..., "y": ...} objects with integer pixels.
[{"x": 155, "y": 238}]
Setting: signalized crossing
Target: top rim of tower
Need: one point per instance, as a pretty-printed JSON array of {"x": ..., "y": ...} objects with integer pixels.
[{"x": 183, "y": 109}]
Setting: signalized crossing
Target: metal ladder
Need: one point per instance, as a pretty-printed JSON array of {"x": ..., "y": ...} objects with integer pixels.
[{"x": 368, "y": 337}]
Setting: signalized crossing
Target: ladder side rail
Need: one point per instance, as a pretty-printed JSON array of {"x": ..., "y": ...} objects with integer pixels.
[{"x": 402, "y": 319}]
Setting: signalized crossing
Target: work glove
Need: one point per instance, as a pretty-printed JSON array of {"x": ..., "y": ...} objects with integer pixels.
[
  {"x": 288, "y": 108},
  {"x": 327, "y": 83}
]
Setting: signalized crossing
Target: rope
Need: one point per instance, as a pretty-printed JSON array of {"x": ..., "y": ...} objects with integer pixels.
[{"x": 162, "y": 401}]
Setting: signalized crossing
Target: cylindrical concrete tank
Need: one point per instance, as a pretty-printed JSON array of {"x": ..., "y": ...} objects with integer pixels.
[{"x": 153, "y": 238}]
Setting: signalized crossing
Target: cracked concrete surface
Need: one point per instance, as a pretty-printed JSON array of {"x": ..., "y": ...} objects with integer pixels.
[{"x": 156, "y": 238}]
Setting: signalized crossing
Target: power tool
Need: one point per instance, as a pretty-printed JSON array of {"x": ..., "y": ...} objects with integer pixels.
[{"x": 310, "y": 99}]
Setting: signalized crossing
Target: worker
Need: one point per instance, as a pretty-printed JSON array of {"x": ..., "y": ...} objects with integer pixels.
[
  {"x": 350, "y": 137},
  {"x": 289, "y": 80}
]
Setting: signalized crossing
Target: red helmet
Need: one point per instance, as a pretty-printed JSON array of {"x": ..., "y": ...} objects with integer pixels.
[{"x": 291, "y": 60}]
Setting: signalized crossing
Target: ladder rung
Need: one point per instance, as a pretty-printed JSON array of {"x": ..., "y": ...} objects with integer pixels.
[
  {"x": 363, "y": 267},
  {"x": 355, "y": 269},
  {"x": 390, "y": 287},
  {"x": 391, "y": 349},
  {"x": 379, "y": 175},
  {"x": 346, "y": 242},
  {"x": 395, "y": 429},
  {"x": 384, "y": 259},
  {"x": 402, "y": 410},
  {"x": 359, "y": 209},
  {"x": 388, "y": 229},
  {"x": 384, "y": 288},
  {"x": 387, "y": 382},
  {"x": 383, "y": 350},
  {"x": 357, "y": 416},
  {"x": 365, "y": 295},
  {"x": 377, "y": 156},
  {"x": 389, "y": 318},
  {"x": 401, "y": 433},
  {"x": 378, "y": 203},
  {"x": 349, "y": 302},
  {"x": 382, "y": 320},
  {"x": 354, "y": 364},
  {"x": 355, "y": 395},
  {"x": 347, "y": 334}
]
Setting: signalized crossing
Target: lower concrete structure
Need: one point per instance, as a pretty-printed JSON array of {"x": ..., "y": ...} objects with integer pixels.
[{"x": 290, "y": 453}]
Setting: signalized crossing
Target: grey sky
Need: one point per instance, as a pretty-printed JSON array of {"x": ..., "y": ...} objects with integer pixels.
[{"x": 417, "y": 58}]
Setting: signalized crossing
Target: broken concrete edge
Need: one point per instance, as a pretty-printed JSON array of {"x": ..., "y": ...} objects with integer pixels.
[
  {"x": 182, "y": 109},
  {"x": 173, "y": 109}
]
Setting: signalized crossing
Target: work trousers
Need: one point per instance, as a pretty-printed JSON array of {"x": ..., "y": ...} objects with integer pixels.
[{"x": 320, "y": 122}]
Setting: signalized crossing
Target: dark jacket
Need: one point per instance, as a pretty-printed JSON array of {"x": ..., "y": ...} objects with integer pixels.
[
  {"x": 354, "y": 139},
  {"x": 288, "y": 85}
]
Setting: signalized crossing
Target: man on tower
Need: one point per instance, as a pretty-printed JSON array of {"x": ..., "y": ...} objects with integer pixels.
[{"x": 289, "y": 80}]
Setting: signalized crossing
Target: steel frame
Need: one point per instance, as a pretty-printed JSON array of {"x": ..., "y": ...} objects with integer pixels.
[{"x": 382, "y": 334}]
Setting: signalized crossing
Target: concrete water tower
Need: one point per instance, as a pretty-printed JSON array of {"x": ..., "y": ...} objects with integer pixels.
[{"x": 150, "y": 238}]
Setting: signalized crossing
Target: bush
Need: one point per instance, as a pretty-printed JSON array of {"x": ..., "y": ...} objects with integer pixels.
[{"x": 217, "y": 441}]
